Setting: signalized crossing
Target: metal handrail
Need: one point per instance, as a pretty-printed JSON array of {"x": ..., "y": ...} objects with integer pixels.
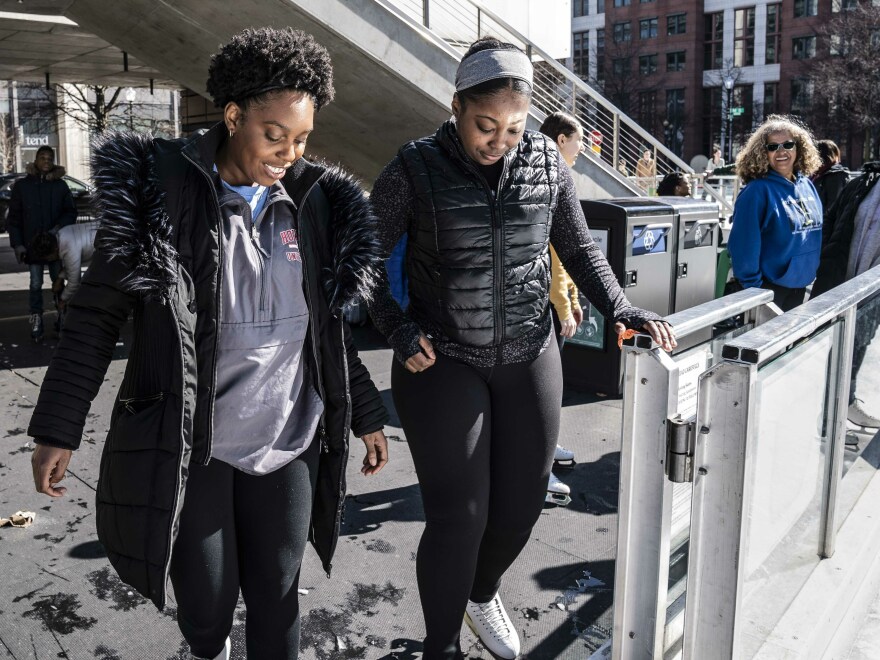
[
  {"x": 555, "y": 88},
  {"x": 771, "y": 339}
]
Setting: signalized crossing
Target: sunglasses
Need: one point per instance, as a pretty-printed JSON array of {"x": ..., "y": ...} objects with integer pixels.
[{"x": 788, "y": 145}]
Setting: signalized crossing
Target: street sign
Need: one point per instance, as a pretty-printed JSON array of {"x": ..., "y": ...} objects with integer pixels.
[{"x": 736, "y": 112}]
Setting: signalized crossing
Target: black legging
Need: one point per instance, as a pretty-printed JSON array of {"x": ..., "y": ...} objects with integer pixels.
[
  {"x": 482, "y": 440},
  {"x": 249, "y": 532}
]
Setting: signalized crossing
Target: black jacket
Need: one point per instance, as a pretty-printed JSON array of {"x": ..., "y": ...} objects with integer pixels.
[
  {"x": 829, "y": 184},
  {"x": 484, "y": 283},
  {"x": 837, "y": 230},
  {"x": 38, "y": 203},
  {"x": 157, "y": 254}
]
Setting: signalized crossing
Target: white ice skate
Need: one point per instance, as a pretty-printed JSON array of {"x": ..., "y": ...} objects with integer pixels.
[
  {"x": 858, "y": 416},
  {"x": 563, "y": 456},
  {"x": 557, "y": 492}
]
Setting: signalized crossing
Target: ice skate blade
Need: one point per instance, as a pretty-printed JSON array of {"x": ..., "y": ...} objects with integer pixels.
[
  {"x": 558, "y": 499},
  {"x": 570, "y": 463}
]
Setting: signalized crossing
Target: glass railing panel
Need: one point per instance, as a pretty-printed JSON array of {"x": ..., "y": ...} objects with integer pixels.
[
  {"x": 861, "y": 457},
  {"x": 794, "y": 411},
  {"x": 691, "y": 363}
]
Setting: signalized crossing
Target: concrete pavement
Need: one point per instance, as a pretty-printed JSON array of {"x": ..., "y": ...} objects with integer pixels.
[{"x": 61, "y": 599}]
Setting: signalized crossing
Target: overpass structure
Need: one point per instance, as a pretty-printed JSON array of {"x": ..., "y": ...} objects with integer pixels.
[{"x": 394, "y": 65}]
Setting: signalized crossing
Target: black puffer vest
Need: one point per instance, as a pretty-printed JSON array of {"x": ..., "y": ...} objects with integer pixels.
[{"x": 478, "y": 259}]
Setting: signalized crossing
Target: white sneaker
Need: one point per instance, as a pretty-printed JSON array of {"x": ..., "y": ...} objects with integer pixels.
[
  {"x": 563, "y": 455},
  {"x": 858, "y": 416},
  {"x": 491, "y": 624},
  {"x": 225, "y": 654}
]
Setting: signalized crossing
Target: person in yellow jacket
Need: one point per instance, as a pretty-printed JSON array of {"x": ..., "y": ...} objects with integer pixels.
[{"x": 567, "y": 313}]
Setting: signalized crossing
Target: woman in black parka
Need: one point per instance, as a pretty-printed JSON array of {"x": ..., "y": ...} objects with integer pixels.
[
  {"x": 477, "y": 391},
  {"x": 229, "y": 440}
]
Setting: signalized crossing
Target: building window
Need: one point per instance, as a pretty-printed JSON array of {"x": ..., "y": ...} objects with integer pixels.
[
  {"x": 647, "y": 64},
  {"x": 647, "y": 109},
  {"x": 714, "y": 41},
  {"x": 622, "y": 32},
  {"x": 648, "y": 28},
  {"x": 600, "y": 53},
  {"x": 621, "y": 3},
  {"x": 839, "y": 45},
  {"x": 600, "y": 6},
  {"x": 771, "y": 98},
  {"x": 711, "y": 118},
  {"x": 774, "y": 33},
  {"x": 673, "y": 126},
  {"x": 580, "y": 8},
  {"x": 675, "y": 61},
  {"x": 801, "y": 95},
  {"x": 843, "y": 5},
  {"x": 580, "y": 54},
  {"x": 744, "y": 37},
  {"x": 676, "y": 24},
  {"x": 620, "y": 66},
  {"x": 803, "y": 48},
  {"x": 806, "y": 8},
  {"x": 644, "y": 2}
]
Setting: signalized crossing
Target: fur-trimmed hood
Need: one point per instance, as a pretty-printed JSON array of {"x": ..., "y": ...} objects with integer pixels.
[
  {"x": 136, "y": 227},
  {"x": 54, "y": 174}
]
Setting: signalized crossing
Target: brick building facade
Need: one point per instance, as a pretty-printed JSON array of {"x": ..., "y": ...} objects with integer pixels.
[{"x": 677, "y": 66}]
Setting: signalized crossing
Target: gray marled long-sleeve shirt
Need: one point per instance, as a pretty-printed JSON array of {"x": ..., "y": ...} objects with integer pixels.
[{"x": 393, "y": 201}]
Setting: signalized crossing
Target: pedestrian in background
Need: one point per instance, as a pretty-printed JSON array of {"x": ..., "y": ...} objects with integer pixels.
[
  {"x": 565, "y": 308},
  {"x": 646, "y": 170},
  {"x": 675, "y": 184},
  {"x": 830, "y": 178},
  {"x": 715, "y": 161},
  {"x": 39, "y": 202},
  {"x": 478, "y": 395},
  {"x": 777, "y": 219},
  {"x": 228, "y": 446},
  {"x": 73, "y": 246},
  {"x": 851, "y": 248}
]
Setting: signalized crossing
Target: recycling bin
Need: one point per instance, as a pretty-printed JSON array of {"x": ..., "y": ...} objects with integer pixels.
[
  {"x": 698, "y": 224},
  {"x": 639, "y": 238}
]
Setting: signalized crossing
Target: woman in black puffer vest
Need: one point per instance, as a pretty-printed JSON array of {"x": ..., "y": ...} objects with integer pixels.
[{"x": 478, "y": 395}]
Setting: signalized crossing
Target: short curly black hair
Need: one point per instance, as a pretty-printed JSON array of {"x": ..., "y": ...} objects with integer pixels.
[{"x": 257, "y": 62}]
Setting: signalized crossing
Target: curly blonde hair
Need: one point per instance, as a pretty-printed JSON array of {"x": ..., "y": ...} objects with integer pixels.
[{"x": 753, "y": 162}]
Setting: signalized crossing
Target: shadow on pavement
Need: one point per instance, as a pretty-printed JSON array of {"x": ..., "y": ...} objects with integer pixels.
[
  {"x": 366, "y": 513},
  {"x": 583, "y": 618}
]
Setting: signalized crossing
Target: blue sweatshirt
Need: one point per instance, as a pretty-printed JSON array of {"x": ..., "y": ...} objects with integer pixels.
[{"x": 777, "y": 232}]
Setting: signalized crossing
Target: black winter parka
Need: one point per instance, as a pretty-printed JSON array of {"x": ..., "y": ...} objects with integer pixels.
[
  {"x": 157, "y": 255},
  {"x": 38, "y": 202}
]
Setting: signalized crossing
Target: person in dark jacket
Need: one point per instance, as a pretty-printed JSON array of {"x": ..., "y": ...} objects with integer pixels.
[
  {"x": 229, "y": 441},
  {"x": 851, "y": 248},
  {"x": 40, "y": 202},
  {"x": 478, "y": 394},
  {"x": 777, "y": 219},
  {"x": 831, "y": 177}
]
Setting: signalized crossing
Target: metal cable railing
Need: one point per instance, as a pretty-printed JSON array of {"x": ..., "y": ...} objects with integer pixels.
[{"x": 612, "y": 139}]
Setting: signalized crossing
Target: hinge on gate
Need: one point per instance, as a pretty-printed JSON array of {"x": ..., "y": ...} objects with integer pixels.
[
  {"x": 630, "y": 278},
  {"x": 680, "y": 444},
  {"x": 682, "y": 270}
]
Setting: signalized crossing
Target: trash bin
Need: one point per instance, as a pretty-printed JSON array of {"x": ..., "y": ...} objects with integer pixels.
[
  {"x": 638, "y": 236},
  {"x": 698, "y": 226}
]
